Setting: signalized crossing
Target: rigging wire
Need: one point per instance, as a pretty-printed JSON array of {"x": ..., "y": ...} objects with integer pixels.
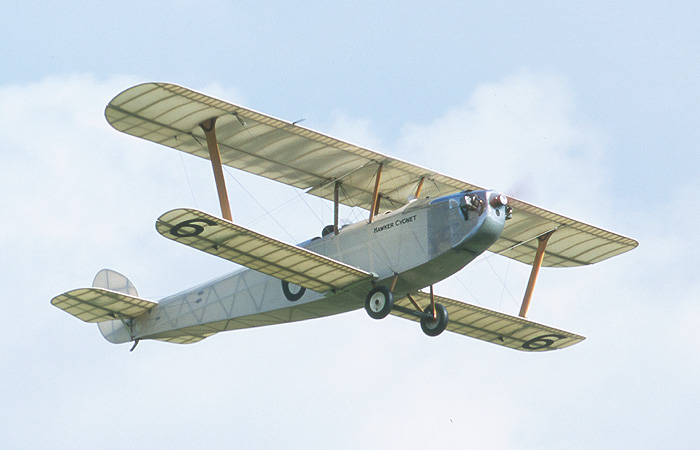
[
  {"x": 263, "y": 149},
  {"x": 357, "y": 213},
  {"x": 468, "y": 291},
  {"x": 320, "y": 220},
  {"x": 187, "y": 176},
  {"x": 505, "y": 278},
  {"x": 267, "y": 213},
  {"x": 486, "y": 258},
  {"x": 259, "y": 204},
  {"x": 505, "y": 286},
  {"x": 283, "y": 204}
]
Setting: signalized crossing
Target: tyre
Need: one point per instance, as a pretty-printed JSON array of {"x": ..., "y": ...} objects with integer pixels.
[
  {"x": 379, "y": 302},
  {"x": 433, "y": 327}
]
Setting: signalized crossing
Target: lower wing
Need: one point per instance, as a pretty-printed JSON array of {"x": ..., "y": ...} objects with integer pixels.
[{"x": 495, "y": 327}]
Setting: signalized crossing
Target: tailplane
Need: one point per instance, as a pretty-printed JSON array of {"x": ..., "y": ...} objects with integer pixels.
[{"x": 111, "y": 302}]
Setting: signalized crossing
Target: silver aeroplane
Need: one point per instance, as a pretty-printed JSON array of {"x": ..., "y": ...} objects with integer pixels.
[{"x": 422, "y": 227}]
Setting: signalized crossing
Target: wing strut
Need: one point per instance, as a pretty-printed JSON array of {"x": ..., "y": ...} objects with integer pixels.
[
  {"x": 213, "y": 145},
  {"x": 375, "y": 196},
  {"x": 420, "y": 187},
  {"x": 539, "y": 256}
]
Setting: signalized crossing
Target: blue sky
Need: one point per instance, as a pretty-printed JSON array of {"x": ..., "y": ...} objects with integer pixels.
[{"x": 588, "y": 109}]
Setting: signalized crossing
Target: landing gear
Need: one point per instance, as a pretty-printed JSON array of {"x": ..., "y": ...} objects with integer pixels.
[
  {"x": 433, "y": 319},
  {"x": 434, "y": 326},
  {"x": 379, "y": 302}
]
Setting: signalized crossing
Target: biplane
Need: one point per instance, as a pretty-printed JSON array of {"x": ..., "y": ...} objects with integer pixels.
[{"x": 423, "y": 227}]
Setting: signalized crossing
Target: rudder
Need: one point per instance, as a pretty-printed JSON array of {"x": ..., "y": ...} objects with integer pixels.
[{"x": 115, "y": 331}]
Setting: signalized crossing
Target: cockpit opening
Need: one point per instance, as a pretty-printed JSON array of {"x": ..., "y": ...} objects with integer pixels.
[{"x": 470, "y": 203}]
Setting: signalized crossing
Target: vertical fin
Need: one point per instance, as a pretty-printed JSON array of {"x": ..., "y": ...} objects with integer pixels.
[
  {"x": 115, "y": 331},
  {"x": 114, "y": 281}
]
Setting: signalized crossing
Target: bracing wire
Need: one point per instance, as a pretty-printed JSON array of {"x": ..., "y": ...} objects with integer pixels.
[
  {"x": 301, "y": 196},
  {"x": 486, "y": 258},
  {"x": 468, "y": 291},
  {"x": 505, "y": 287},
  {"x": 267, "y": 213},
  {"x": 187, "y": 176},
  {"x": 499, "y": 277}
]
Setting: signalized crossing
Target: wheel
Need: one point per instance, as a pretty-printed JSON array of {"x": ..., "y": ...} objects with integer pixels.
[
  {"x": 433, "y": 327},
  {"x": 379, "y": 302}
]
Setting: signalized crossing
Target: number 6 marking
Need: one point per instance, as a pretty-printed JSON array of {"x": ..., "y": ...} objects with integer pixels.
[
  {"x": 542, "y": 342},
  {"x": 189, "y": 228}
]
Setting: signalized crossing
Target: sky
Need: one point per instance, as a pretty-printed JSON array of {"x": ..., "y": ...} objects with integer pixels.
[{"x": 589, "y": 109}]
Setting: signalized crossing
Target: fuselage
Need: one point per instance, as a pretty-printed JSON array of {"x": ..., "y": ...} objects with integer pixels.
[{"x": 416, "y": 246}]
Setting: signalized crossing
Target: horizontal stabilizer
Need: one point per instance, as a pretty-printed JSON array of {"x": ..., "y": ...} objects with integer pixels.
[
  {"x": 98, "y": 305},
  {"x": 495, "y": 327},
  {"x": 256, "y": 251}
]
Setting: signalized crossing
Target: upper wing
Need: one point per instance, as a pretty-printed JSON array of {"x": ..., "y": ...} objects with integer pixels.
[
  {"x": 495, "y": 327},
  {"x": 170, "y": 115},
  {"x": 573, "y": 243},
  {"x": 256, "y": 251},
  {"x": 98, "y": 305}
]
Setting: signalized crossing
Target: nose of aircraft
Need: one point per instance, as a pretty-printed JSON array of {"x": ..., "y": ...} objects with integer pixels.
[{"x": 498, "y": 200}]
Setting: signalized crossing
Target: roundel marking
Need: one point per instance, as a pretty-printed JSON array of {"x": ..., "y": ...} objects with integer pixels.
[{"x": 292, "y": 296}]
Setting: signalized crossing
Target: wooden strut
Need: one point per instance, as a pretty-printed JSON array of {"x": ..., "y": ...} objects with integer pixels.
[
  {"x": 376, "y": 207},
  {"x": 420, "y": 187},
  {"x": 414, "y": 302},
  {"x": 539, "y": 256},
  {"x": 212, "y": 144},
  {"x": 375, "y": 196},
  {"x": 393, "y": 282}
]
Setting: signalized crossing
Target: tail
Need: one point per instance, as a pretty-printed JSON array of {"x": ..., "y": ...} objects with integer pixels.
[
  {"x": 115, "y": 331},
  {"x": 114, "y": 281}
]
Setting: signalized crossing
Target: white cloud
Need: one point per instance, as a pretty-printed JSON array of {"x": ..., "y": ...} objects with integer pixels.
[
  {"x": 523, "y": 136},
  {"x": 79, "y": 195},
  {"x": 354, "y": 130}
]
